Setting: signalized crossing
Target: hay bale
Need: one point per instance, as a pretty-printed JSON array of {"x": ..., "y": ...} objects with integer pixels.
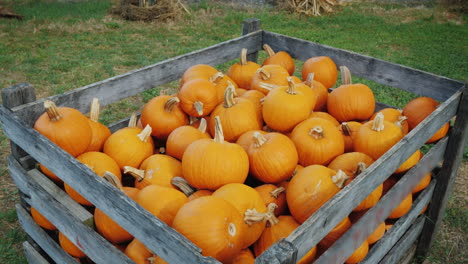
[
  {"x": 310, "y": 7},
  {"x": 161, "y": 10}
]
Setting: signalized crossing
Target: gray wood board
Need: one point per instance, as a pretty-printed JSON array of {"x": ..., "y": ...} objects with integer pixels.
[
  {"x": 249, "y": 26},
  {"x": 385, "y": 244},
  {"x": 380, "y": 71},
  {"x": 52, "y": 249},
  {"x": 331, "y": 213},
  {"x": 282, "y": 252},
  {"x": 134, "y": 82},
  {"x": 32, "y": 255},
  {"x": 80, "y": 234},
  {"x": 453, "y": 156},
  {"x": 405, "y": 243},
  {"x": 155, "y": 234},
  {"x": 362, "y": 229}
]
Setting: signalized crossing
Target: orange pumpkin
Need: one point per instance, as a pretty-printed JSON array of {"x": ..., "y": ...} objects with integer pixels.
[
  {"x": 320, "y": 91},
  {"x": 324, "y": 69},
  {"x": 138, "y": 252},
  {"x": 281, "y": 58},
  {"x": 41, "y": 220},
  {"x": 99, "y": 132},
  {"x": 198, "y": 97},
  {"x": 246, "y": 139},
  {"x": 426, "y": 180},
  {"x": 256, "y": 98},
  {"x": 69, "y": 247},
  {"x": 181, "y": 137},
  {"x": 50, "y": 174},
  {"x": 66, "y": 127},
  {"x": 402, "y": 208},
  {"x": 378, "y": 232},
  {"x": 326, "y": 116},
  {"x": 245, "y": 256},
  {"x": 214, "y": 225},
  {"x": 188, "y": 190},
  {"x": 395, "y": 116},
  {"x": 270, "y": 75},
  {"x": 359, "y": 254},
  {"x": 221, "y": 82},
  {"x": 199, "y": 71},
  {"x": 348, "y": 129},
  {"x": 271, "y": 193},
  {"x": 410, "y": 162},
  {"x": 243, "y": 72}
]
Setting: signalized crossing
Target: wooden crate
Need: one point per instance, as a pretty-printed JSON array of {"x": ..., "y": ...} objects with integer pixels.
[{"x": 21, "y": 109}]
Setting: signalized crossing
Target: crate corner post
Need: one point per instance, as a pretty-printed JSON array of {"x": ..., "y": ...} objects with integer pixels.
[{"x": 248, "y": 26}]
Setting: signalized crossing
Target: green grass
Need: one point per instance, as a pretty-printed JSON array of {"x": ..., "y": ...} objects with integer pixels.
[{"x": 63, "y": 46}]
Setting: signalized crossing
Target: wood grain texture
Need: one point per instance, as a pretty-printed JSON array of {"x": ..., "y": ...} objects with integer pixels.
[
  {"x": 134, "y": 82},
  {"x": 409, "y": 255},
  {"x": 282, "y": 252},
  {"x": 385, "y": 244},
  {"x": 405, "y": 243},
  {"x": 387, "y": 73},
  {"x": 32, "y": 255},
  {"x": 155, "y": 234},
  {"x": 249, "y": 26},
  {"x": 52, "y": 249},
  {"x": 331, "y": 213},
  {"x": 448, "y": 173}
]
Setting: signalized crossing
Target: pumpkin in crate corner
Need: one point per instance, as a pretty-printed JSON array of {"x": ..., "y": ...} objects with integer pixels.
[
  {"x": 324, "y": 69},
  {"x": 243, "y": 72},
  {"x": 41, "y": 220},
  {"x": 281, "y": 58},
  {"x": 100, "y": 132}
]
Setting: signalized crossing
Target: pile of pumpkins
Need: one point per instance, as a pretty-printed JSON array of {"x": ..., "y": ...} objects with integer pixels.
[{"x": 249, "y": 155}]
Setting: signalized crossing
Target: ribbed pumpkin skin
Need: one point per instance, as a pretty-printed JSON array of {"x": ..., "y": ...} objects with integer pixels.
[
  {"x": 247, "y": 138},
  {"x": 317, "y": 151},
  {"x": 108, "y": 228},
  {"x": 324, "y": 69},
  {"x": 359, "y": 254},
  {"x": 286, "y": 225},
  {"x": 180, "y": 138},
  {"x": 326, "y": 116},
  {"x": 309, "y": 189},
  {"x": 69, "y": 247},
  {"x": 127, "y": 149},
  {"x": 99, "y": 133},
  {"x": 214, "y": 225},
  {"x": 199, "y": 71},
  {"x": 275, "y": 160},
  {"x": 161, "y": 201},
  {"x": 41, "y": 220},
  {"x": 205, "y": 160},
  {"x": 278, "y": 77},
  {"x": 322, "y": 95},
  {"x": 282, "y": 59},
  {"x": 255, "y": 96},
  {"x": 137, "y": 252},
  {"x": 71, "y": 132},
  {"x": 199, "y": 193},
  {"x": 162, "y": 119},
  {"x": 198, "y": 90},
  {"x": 159, "y": 170},
  {"x": 352, "y": 102},
  {"x": 266, "y": 191},
  {"x": 335, "y": 234},
  {"x": 244, "y": 257},
  {"x": 348, "y": 137},
  {"x": 243, "y": 74},
  {"x": 244, "y": 198}
]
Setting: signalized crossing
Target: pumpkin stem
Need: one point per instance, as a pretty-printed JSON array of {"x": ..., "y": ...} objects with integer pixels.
[
  {"x": 316, "y": 132},
  {"x": 219, "y": 135},
  {"x": 112, "y": 179},
  {"x": 151, "y": 259},
  {"x": 203, "y": 125},
  {"x": 270, "y": 215},
  {"x": 192, "y": 120},
  {"x": 310, "y": 79},
  {"x": 361, "y": 166},
  {"x": 216, "y": 77},
  {"x": 139, "y": 175},
  {"x": 162, "y": 150},
  {"x": 268, "y": 50},
  {"x": 145, "y": 134},
  {"x": 258, "y": 139},
  {"x": 229, "y": 96},
  {"x": 276, "y": 192},
  {"x": 252, "y": 216},
  {"x": 132, "y": 122},
  {"x": 198, "y": 107},
  {"x": 267, "y": 86},
  {"x": 52, "y": 111},
  {"x": 378, "y": 124},
  {"x": 171, "y": 103},
  {"x": 345, "y": 75},
  {"x": 264, "y": 74},
  {"x": 183, "y": 186},
  {"x": 94, "y": 110},
  {"x": 340, "y": 179},
  {"x": 346, "y": 129},
  {"x": 243, "y": 57},
  {"x": 291, "y": 86},
  {"x": 400, "y": 121}
]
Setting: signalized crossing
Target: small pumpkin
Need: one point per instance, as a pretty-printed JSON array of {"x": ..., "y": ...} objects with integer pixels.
[
  {"x": 270, "y": 75},
  {"x": 41, "y": 220},
  {"x": 243, "y": 72},
  {"x": 256, "y": 98},
  {"x": 404, "y": 205},
  {"x": 69, "y": 247},
  {"x": 181, "y": 137},
  {"x": 426, "y": 180},
  {"x": 410, "y": 162},
  {"x": 324, "y": 69},
  {"x": 138, "y": 252},
  {"x": 349, "y": 129},
  {"x": 247, "y": 138},
  {"x": 271, "y": 193},
  {"x": 221, "y": 82},
  {"x": 99, "y": 132},
  {"x": 359, "y": 254},
  {"x": 326, "y": 116},
  {"x": 245, "y": 256},
  {"x": 199, "y": 71},
  {"x": 189, "y": 191},
  {"x": 396, "y": 116},
  {"x": 50, "y": 174},
  {"x": 320, "y": 91},
  {"x": 198, "y": 97},
  {"x": 281, "y": 58}
]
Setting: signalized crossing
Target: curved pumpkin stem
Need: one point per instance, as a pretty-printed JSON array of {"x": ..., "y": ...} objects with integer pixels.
[
  {"x": 360, "y": 168},
  {"x": 183, "y": 186},
  {"x": 378, "y": 124},
  {"x": 264, "y": 74},
  {"x": 52, "y": 111},
  {"x": 276, "y": 192},
  {"x": 198, "y": 107},
  {"x": 219, "y": 135},
  {"x": 112, "y": 179},
  {"x": 94, "y": 110},
  {"x": 145, "y": 134},
  {"x": 243, "y": 57},
  {"x": 229, "y": 96},
  {"x": 310, "y": 79},
  {"x": 346, "y": 129},
  {"x": 151, "y": 260},
  {"x": 268, "y": 50},
  {"x": 400, "y": 121},
  {"x": 267, "y": 86},
  {"x": 340, "y": 179},
  {"x": 316, "y": 132},
  {"x": 291, "y": 86},
  {"x": 258, "y": 139},
  {"x": 203, "y": 125},
  {"x": 139, "y": 175},
  {"x": 171, "y": 103},
  {"x": 217, "y": 77},
  {"x": 345, "y": 75},
  {"x": 132, "y": 122},
  {"x": 270, "y": 215},
  {"x": 192, "y": 120}
]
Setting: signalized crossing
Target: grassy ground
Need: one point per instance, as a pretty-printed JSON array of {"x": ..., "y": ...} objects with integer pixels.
[{"x": 62, "y": 46}]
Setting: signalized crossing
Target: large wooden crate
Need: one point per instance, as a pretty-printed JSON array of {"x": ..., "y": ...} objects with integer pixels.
[{"x": 28, "y": 147}]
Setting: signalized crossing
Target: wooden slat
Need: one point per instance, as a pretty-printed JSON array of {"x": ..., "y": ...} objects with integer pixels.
[
  {"x": 249, "y": 26},
  {"x": 448, "y": 173},
  {"x": 331, "y": 213},
  {"x": 80, "y": 234},
  {"x": 32, "y": 255},
  {"x": 387, "y": 73},
  {"x": 52, "y": 249},
  {"x": 362, "y": 229},
  {"x": 409, "y": 255},
  {"x": 134, "y": 82},
  {"x": 405, "y": 243},
  {"x": 385, "y": 244},
  {"x": 155, "y": 234},
  {"x": 282, "y": 253}
]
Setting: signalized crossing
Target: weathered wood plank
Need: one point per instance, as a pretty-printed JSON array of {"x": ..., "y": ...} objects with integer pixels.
[
  {"x": 155, "y": 234},
  {"x": 137, "y": 81},
  {"x": 331, "y": 213},
  {"x": 362, "y": 229},
  {"x": 409, "y": 255},
  {"x": 384, "y": 245},
  {"x": 52, "y": 249},
  {"x": 249, "y": 26},
  {"x": 387, "y": 73},
  {"x": 282, "y": 252},
  {"x": 85, "y": 238},
  {"x": 32, "y": 255},
  {"x": 453, "y": 155},
  {"x": 405, "y": 243}
]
